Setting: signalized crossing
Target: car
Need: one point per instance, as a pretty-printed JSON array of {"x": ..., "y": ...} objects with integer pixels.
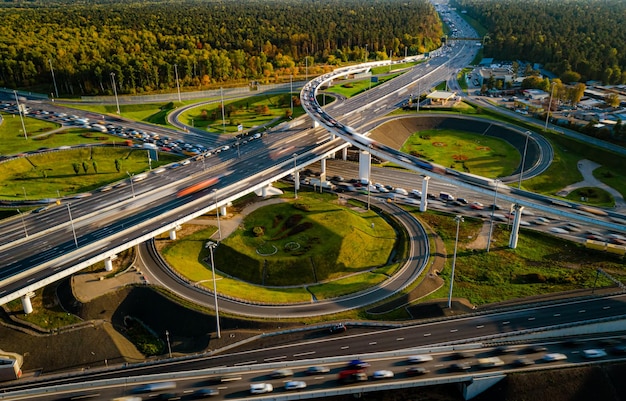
[
  {"x": 476, "y": 206},
  {"x": 594, "y": 353},
  {"x": 462, "y": 200},
  {"x": 316, "y": 370},
  {"x": 167, "y": 397},
  {"x": 357, "y": 364},
  {"x": 401, "y": 191},
  {"x": 295, "y": 385},
  {"x": 533, "y": 349},
  {"x": 494, "y": 206},
  {"x": 419, "y": 358},
  {"x": 185, "y": 162},
  {"x": 553, "y": 357},
  {"x": 337, "y": 328},
  {"x": 382, "y": 374},
  {"x": 41, "y": 209},
  {"x": 523, "y": 361},
  {"x": 618, "y": 350},
  {"x": 416, "y": 193},
  {"x": 416, "y": 371},
  {"x": 280, "y": 373},
  {"x": 462, "y": 355},
  {"x": 459, "y": 367},
  {"x": 261, "y": 388},
  {"x": 504, "y": 349},
  {"x": 205, "y": 393}
]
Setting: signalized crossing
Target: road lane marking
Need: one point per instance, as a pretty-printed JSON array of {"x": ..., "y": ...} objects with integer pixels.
[
  {"x": 531, "y": 318},
  {"x": 345, "y": 347},
  {"x": 244, "y": 363},
  {"x": 556, "y": 315},
  {"x": 480, "y": 326},
  {"x": 582, "y": 311},
  {"x": 399, "y": 338},
  {"x": 454, "y": 330},
  {"x": 426, "y": 334},
  {"x": 304, "y": 353},
  {"x": 373, "y": 343},
  {"x": 606, "y": 307},
  {"x": 275, "y": 358},
  {"x": 506, "y": 322}
]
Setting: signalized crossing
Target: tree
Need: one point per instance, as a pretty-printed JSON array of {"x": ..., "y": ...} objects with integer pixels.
[
  {"x": 76, "y": 168},
  {"x": 95, "y": 166},
  {"x": 570, "y": 76},
  {"x": 85, "y": 167},
  {"x": 612, "y": 99}
]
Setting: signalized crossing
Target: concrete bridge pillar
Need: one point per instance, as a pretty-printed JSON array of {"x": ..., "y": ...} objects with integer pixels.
[
  {"x": 223, "y": 210},
  {"x": 26, "y": 304},
  {"x": 323, "y": 169},
  {"x": 365, "y": 166},
  {"x": 108, "y": 263},
  {"x": 478, "y": 385},
  {"x": 296, "y": 180},
  {"x": 516, "y": 223},
  {"x": 173, "y": 234},
  {"x": 315, "y": 124},
  {"x": 424, "y": 200},
  {"x": 344, "y": 154}
]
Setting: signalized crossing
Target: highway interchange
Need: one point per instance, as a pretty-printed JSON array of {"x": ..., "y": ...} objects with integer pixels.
[{"x": 108, "y": 219}]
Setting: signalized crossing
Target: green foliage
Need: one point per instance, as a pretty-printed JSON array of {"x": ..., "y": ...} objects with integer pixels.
[
  {"x": 76, "y": 168},
  {"x": 142, "y": 41},
  {"x": 258, "y": 231}
]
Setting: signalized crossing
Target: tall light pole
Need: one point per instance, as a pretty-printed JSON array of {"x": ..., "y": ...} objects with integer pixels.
[
  {"x": 23, "y": 223},
  {"x": 212, "y": 245},
  {"x": 417, "y": 109},
  {"x": 459, "y": 220},
  {"x": 56, "y": 91},
  {"x": 223, "y": 119},
  {"x": 217, "y": 213},
  {"x": 117, "y": 102},
  {"x": 295, "y": 177},
  {"x": 366, "y": 54},
  {"x": 169, "y": 347},
  {"x": 132, "y": 187},
  {"x": 521, "y": 171},
  {"x": 291, "y": 93},
  {"x": 72, "y": 223},
  {"x": 177, "y": 84},
  {"x": 549, "y": 106},
  {"x": 19, "y": 110},
  {"x": 369, "y": 178},
  {"x": 493, "y": 210}
]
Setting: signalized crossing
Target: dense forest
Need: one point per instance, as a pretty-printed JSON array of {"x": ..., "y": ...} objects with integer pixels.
[
  {"x": 144, "y": 44},
  {"x": 583, "y": 37}
]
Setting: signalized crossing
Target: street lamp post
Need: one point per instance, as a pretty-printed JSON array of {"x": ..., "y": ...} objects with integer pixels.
[
  {"x": 366, "y": 54},
  {"x": 169, "y": 347},
  {"x": 19, "y": 110},
  {"x": 212, "y": 245},
  {"x": 549, "y": 106},
  {"x": 217, "y": 213},
  {"x": 115, "y": 93},
  {"x": 72, "y": 224},
  {"x": 177, "y": 84},
  {"x": 23, "y": 223},
  {"x": 459, "y": 220},
  {"x": 521, "y": 171},
  {"x": 295, "y": 177},
  {"x": 223, "y": 118},
  {"x": 493, "y": 209},
  {"x": 291, "y": 93},
  {"x": 132, "y": 187},
  {"x": 369, "y": 178},
  {"x": 56, "y": 91},
  {"x": 24, "y": 190}
]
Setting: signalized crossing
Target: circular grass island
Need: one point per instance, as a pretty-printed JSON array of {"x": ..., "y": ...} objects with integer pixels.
[{"x": 315, "y": 246}]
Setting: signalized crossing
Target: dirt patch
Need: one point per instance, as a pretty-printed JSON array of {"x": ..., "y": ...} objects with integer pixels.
[{"x": 439, "y": 144}]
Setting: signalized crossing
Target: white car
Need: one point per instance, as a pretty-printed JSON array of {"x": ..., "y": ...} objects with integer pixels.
[
  {"x": 261, "y": 388},
  {"x": 382, "y": 374},
  {"x": 554, "y": 357},
  {"x": 416, "y": 193},
  {"x": 594, "y": 353},
  {"x": 419, "y": 358},
  {"x": 295, "y": 385}
]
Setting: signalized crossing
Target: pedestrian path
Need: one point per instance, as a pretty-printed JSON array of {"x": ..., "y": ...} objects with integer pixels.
[{"x": 586, "y": 168}]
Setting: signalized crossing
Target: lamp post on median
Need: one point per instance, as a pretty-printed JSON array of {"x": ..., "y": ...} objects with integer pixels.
[
  {"x": 549, "y": 106},
  {"x": 115, "y": 92},
  {"x": 459, "y": 220},
  {"x": 56, "y": 91},
  {"x": 493, "y": 209},
  {"x": 369, "y": 178},
  {"x": 217, "y": 213},
  {"x": 291, "y": 93},
  {"x": 177, "y": 84},
  {"x": 69, "y": 211},
  {"x": 521, "y": 171},
  {"x": 132, "y": 187},
  {"x": 212, "y": 245},
  {"x": 23, "y": 223},
  {"x": 20, "y": 111},
  {"x": 169, "y": 347},
  {"x": 295, "y": 177}
]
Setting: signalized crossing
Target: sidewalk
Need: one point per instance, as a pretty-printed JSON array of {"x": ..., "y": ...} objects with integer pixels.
[{"x": 586, "y": 168}]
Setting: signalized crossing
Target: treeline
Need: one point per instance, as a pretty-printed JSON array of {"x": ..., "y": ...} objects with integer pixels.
[
  {"x": 586, "y": 37},
  {"x": 146, "y": 43}
]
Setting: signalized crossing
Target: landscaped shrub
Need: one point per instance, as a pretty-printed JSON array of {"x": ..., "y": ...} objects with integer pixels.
[{"x": 258, "y": 231}]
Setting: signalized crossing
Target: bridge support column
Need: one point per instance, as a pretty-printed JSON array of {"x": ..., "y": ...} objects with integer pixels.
[
  {"x": 223, "y": 210},
  {"x": 516, "y": 223},
  {"x": 365, "y": 166},
  {"x": 323, "y": 168},
  {"x": 344, "y": 154},
  {"x": 424, "y": 200},
  {"x": 26, "y": 304},
  {"x": 296, "y": 180},
  {"x": 315, "y": 124},
  {"x": 108, "y": 263},
  {"x": 478, "y": 385},
  {"x": 173, "y": 234}
]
